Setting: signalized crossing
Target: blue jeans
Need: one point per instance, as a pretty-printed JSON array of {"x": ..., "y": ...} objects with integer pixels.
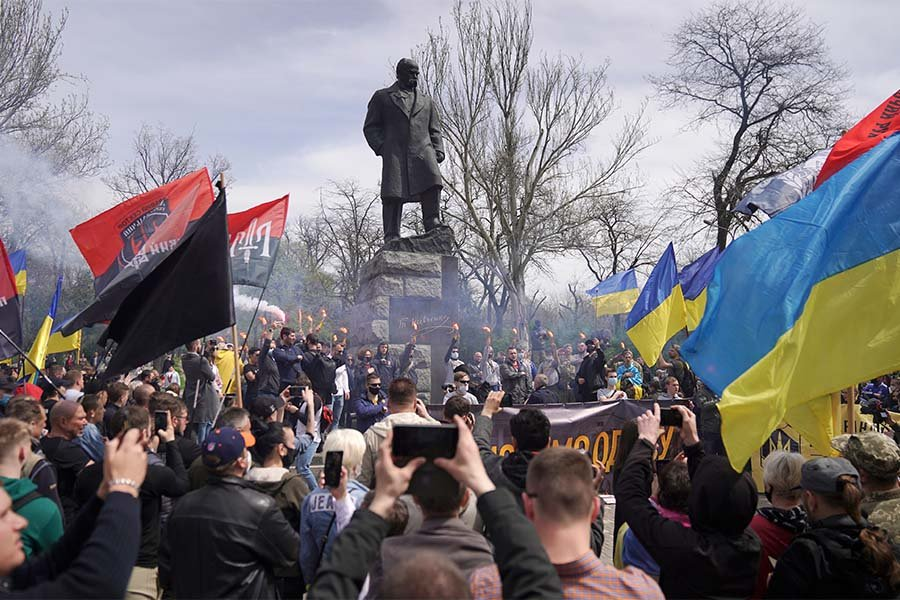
[
  {"x": 203, "y": 430},
  {"x": 306, "y": 450},
  {"x": 337, "y": 408}
]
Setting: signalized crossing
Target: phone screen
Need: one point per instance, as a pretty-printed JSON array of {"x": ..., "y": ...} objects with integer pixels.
[
  {"x": 333, "y": 462},
  {"x": 669, "y": 417},
  {"x": 160, "y": 420},
  {"x": 430, "y": 441}
]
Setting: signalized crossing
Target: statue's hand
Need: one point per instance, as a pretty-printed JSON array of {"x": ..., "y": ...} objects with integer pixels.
[{"x": 440, "y": 156}]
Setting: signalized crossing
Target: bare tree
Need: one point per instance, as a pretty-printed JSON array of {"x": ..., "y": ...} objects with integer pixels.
[
  {"x": 517, "y": 175},
  {"x": 763, "y": 76},
  {"x": 627, "y": 238},
  {"x": 161, "y": 157},
  {"x": 66, "y": 132},
  {"x": 351, "y": 230}
]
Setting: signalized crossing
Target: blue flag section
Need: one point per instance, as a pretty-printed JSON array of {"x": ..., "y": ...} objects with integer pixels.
[
  {"x": 616, "y": 294},
  {"x": 659, "y": 312},
  {"x": 694, "y": 279},
  {"x": 806, "y": 304}
]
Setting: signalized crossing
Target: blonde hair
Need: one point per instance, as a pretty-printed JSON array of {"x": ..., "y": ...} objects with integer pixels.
[
  {"x": 13, "y": 433},
  {"x": 352, "y": 444},
  {"x": 781, "y": 472}
]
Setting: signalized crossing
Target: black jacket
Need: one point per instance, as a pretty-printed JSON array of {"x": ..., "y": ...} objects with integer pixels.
[
  {"x": 718, "y": 556},
  {"x": 321, "y": 368},
  {"x": 593, "y": 371},
  {"x": 525, "y": 570},
  {"x": 826, "y": 562},
  {"x": 224, "y": 540},
  {"x": 544, "y": 395},
  {"x": 169, "y": 479},
  {"x": 93, "y": 559},
  {"x": 268, "y": 378}
]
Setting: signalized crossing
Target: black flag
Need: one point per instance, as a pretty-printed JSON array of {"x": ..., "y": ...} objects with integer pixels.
[{"x": 188, "y": 295}]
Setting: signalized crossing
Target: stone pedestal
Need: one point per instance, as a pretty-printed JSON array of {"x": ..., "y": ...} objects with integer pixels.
[{"x": 397, "y": 289}]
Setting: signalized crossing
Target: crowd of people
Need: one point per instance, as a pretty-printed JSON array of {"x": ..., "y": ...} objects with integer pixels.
[{"x": 156, "y": 485}]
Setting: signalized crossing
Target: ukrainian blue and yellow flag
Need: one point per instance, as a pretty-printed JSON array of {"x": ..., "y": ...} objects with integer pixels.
[
  {"x": 58, "y": 343},
  {"x": 659, "y": 311},
  {"x": 38, "y": 352},
  {"x": 694, "y": 279},
  {"x": 616, "y": 294},
  {"x": 805, "y": 305},
  {"x": 17, "y": 260}
]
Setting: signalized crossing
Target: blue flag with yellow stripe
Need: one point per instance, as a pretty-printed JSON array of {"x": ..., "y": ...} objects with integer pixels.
[
  {"x": 806, "y": 304},
  {"x": 694, "y": 279},
  {"x": 17, "y": 261},
  {"x": 659, "y": 311},
  {"x": 38, "y": 351},
  {"x": 616, "y": 294}
]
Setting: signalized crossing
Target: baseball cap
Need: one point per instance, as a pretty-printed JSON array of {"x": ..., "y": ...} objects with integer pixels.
[
  {"x": 821, "y": 474},
  {"x": 225, "y": 445},
  {"x": 73, "y": 395},
  {"x": 872, "y": 451},
  {"x": 265, "y": 405}
]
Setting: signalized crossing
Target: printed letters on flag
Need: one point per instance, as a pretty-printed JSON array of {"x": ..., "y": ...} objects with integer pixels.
[
  {"x": 136, "y": 234},
  {"x": 254, "y": 236},
  {"x": 865, "y": 135},
  {"x": 10, "y": 317},
  {"x": 616, "y": 294},
  {"x": 124, "y": 244},
  {"x": 186, "y": 296},
  {"x": 659, "y": 311},
  {"x": 805, "y": 305}
]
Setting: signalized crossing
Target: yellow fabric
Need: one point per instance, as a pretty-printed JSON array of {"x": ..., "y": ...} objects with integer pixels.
[
  {"x": 57, "y": 343},
  {"x": 38, "y": 351},
  {"x": 21, "y": 281},
  {"x": 849, "y": 332},
  {"x": 617, "y": 303},
  {"x": 693, "y": 310},
  {"x": 224, "y": 360},
  {"x": 620, "y": 542},
  {"x": 651, "y": 333}
]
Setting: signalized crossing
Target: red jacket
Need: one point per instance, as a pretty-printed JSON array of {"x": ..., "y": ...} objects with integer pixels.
[{"x": 775, "y": 540}]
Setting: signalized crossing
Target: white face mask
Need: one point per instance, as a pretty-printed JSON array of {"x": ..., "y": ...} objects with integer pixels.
[
  {"x": 454, "y": 355},
  {"x": 611, "y": 382},
  {"x": 464, "y": 387},
  {"x": 249, "y": 463}
]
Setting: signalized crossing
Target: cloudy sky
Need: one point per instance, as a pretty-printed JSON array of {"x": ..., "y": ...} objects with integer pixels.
[{"x": 280, "y": 87}]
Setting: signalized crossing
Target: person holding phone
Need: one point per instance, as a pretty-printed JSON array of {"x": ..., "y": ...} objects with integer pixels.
[
  {"x": 719, "y": 550},
  {"x": 321, "y": 518}
]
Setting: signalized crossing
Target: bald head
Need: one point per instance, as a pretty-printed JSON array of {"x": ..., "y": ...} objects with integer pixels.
[
  {"x": 142, "y": 394},
  {"x": 67, "y": 419},
  {"x": 407, "y": 73}
]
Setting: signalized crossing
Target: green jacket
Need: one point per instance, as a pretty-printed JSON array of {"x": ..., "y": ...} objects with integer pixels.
[{"x": 44, "y": 521}]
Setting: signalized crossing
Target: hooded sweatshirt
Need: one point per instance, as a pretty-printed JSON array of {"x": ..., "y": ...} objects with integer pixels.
[
  {"x": 719, "y": 551},
  {"x": 376, "y": 434},
  {"x": 287, "y": 488},
  {"x": 44, "y": 520}
]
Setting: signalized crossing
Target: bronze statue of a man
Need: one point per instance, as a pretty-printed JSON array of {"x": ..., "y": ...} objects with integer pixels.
[{"x": 403, "y": 128}]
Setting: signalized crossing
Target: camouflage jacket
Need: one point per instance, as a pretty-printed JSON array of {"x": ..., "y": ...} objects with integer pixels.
[{"x": 883, "y": 509}]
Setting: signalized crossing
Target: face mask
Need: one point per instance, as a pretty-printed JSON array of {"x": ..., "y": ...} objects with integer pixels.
[
  {"x": 454, "y": 355},
  {"x": 287, "y": 460},
  {"x": 611, "y": 382},
  {"x": 374, "y": 389},
  {"x": 249, "y": 464},
  {"x": 368, "y": 359},
  {"x": 589, "y": 349},
  {"x": 464, "y": 387}
]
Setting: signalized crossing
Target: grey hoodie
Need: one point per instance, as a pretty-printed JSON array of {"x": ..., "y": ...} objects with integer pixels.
[{"x": 375, "y": 435}]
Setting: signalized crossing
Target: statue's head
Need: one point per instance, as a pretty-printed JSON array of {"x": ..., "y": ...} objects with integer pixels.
[{"x": 408, "y": 73}]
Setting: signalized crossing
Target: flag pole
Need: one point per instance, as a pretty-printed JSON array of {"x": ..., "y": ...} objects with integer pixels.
[
  {"x": 851, "y": 409},
  {"x": 239, "y": 397},
  {"x": 37, "y": 369},
  {"x": 836, "y": 413}
]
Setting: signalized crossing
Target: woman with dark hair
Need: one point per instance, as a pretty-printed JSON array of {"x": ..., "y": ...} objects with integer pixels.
[{"x": 840, "y": 556}]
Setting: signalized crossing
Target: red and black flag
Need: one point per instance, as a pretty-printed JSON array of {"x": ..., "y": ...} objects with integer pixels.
[
  {"x": 254, "y": 237},
  {"x": 10, "y": 317},
  {"x": 186, "y": 296},
  {"x": 127, "y": 242}
]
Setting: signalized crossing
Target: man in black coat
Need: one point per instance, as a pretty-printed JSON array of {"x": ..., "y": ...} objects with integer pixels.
[
  {"x": 200, "y": 394},
  {"x": 592, "y": 372},
  {"x": 402, "y": 126}
]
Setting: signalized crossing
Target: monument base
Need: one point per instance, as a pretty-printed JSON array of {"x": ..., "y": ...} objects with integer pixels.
[
  {"x": 400, "y": 289},
  {"x": 437, "y": 241}
]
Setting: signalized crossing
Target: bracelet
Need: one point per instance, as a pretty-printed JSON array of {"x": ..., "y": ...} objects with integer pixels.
[{"x": 126, "y": 482}]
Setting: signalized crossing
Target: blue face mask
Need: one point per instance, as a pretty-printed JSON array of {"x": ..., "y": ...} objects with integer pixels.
[{"x": 5, "y": 399}]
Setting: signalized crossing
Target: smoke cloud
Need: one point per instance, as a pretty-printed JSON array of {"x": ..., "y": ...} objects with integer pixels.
[{"x": 244, "y": 302}]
